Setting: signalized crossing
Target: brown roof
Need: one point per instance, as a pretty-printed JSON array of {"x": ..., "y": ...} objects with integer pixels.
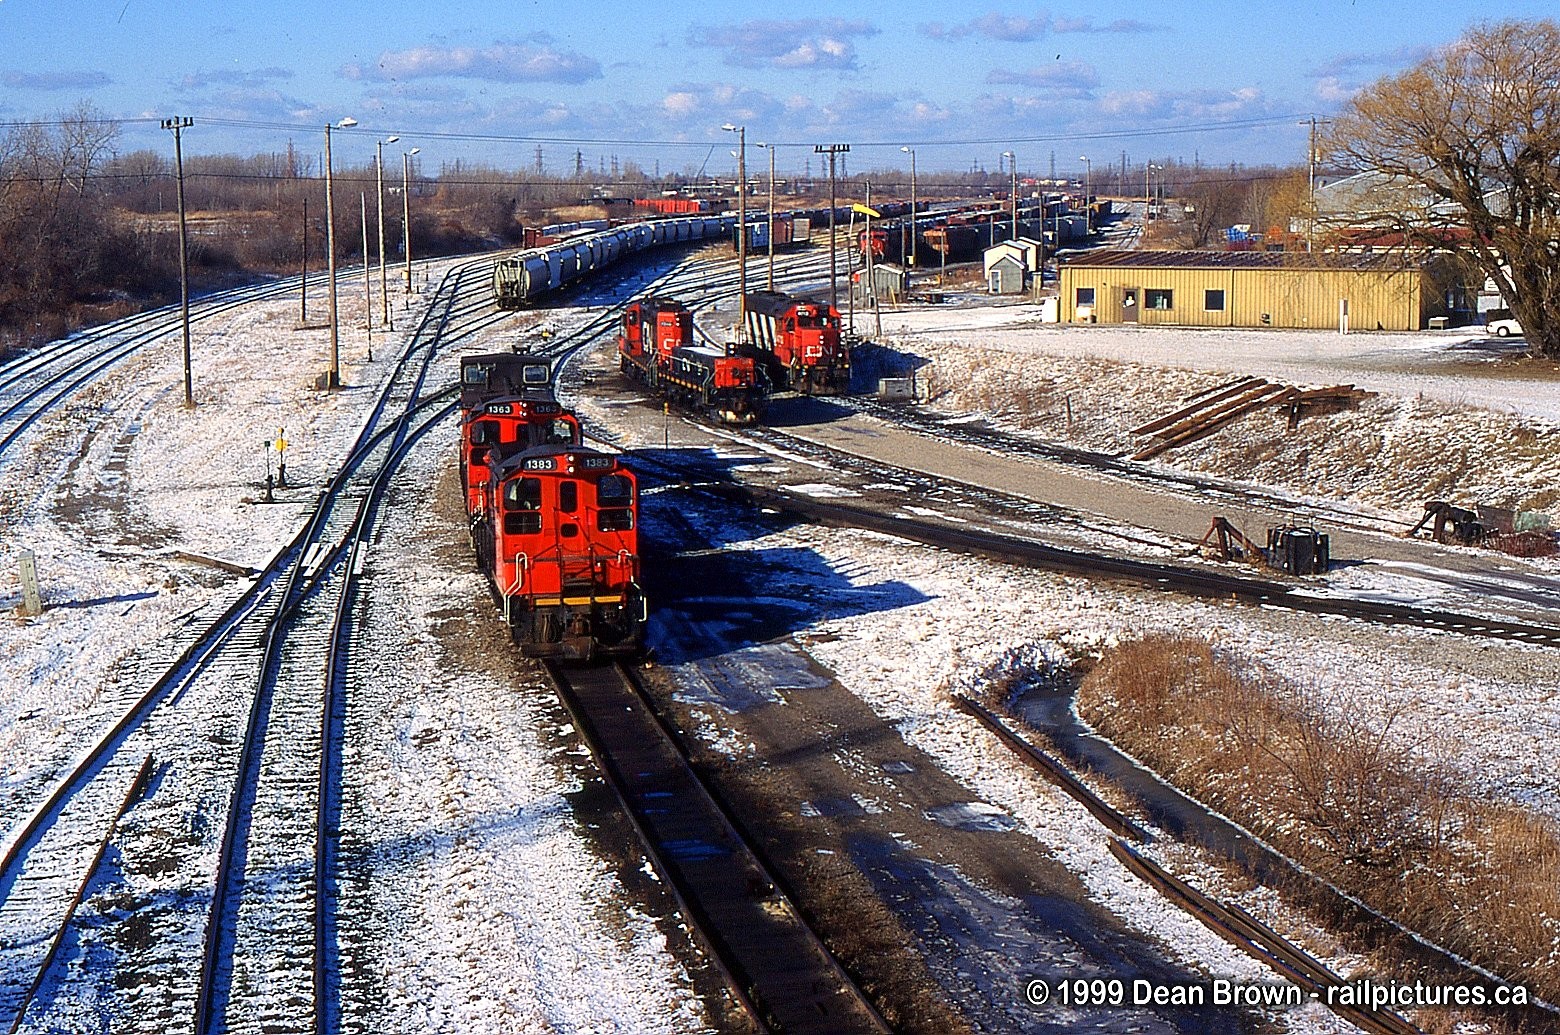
[{"x": 1247, "y": 260}]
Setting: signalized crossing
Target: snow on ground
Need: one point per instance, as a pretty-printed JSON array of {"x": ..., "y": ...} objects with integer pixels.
[
  {"x": 103, "y": 489},
  {"x": 497, "y": 913},
  {"x": 1443, "y": 426},
  {"x": 1435, "y": 364}
]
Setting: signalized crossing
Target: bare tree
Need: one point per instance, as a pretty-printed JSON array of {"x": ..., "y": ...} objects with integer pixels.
[{"x": 1469, "y": 141}]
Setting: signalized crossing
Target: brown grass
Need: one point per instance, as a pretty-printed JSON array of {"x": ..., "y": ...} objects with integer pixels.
[{"x": 1333, "y": 786}]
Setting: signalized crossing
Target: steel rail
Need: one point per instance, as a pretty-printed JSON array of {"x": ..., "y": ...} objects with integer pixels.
[{"x": 774, "y": 961}]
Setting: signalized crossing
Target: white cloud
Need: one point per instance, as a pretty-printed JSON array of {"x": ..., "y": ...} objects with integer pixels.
[
  {"x": 824, "y": 43},
  {"x": 526, "y": 61}
]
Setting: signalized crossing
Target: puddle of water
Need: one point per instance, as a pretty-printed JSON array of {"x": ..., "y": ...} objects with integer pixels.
[{"x": 971, "y": 815}]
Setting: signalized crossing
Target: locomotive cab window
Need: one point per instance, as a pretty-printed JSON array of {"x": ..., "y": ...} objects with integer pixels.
[
  {"x": 522, "y": 506},
  {"x": 476, "y": 375},
  {"x": 484, "y": 433},
  {"x": 568, "y": 496},
  {"x": 614, "y": 497}
]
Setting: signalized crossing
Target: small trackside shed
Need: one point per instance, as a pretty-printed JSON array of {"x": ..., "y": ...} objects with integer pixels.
[{"x": 1254, "y": 289}]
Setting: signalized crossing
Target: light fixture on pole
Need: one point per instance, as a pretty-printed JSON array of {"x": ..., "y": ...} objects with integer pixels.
[
  {"x": 379, "y": 177},
  {"x": 742, "y": 230},
  {"x": 333, "y": 374},
  {"x": 908, "y": 251},
  {"x": 178, "y": 124},
  {"x": 771, "y": 150},
  {"x": 1088, "y": 206},
  {"x": 1013, "y": 169},
  {"x": 406, "y": 212}
]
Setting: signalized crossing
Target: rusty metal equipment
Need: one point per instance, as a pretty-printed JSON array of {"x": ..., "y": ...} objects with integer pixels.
[
  {"x": 1446, "y": 520},
  {"x": 1229, "y": 541},
  {"x": 1295, "y": 549},
  {"x": 1298, "y": 550}
]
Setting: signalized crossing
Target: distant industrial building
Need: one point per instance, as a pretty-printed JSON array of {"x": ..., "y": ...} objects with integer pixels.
[{"x": 1259, "y": 289}]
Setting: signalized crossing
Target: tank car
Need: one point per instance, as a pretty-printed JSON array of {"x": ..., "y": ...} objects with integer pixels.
[
  {"x": 800, "y": 342},
  {"x": 558, "y": 538}
]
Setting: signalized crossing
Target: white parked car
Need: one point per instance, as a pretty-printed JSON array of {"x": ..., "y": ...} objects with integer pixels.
[{"x": 1502, "y": 324}]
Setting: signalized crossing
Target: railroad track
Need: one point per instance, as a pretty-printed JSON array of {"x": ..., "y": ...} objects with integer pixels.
[
  {"x": 252, "y": 669},
  {"x": 1238, "y": 927},
  {"x": 1189, "y": 580},
  {"x": 776, "y": 965}
]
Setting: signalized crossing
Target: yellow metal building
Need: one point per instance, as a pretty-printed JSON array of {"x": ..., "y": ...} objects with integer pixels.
[{"x": 1253, "y": 289}]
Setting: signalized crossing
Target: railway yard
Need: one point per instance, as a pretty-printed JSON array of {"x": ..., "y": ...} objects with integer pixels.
[{"x": 269, "y": 761}]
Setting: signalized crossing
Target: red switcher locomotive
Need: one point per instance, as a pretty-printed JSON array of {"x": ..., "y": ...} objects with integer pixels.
[
  {"x": 509, "y": 424},
  {"x": 558, "y": 537},
  {"x": 656, "y": 346},
  {"x": 506, "y": 405},
  {"x": 800, "y": 340}
]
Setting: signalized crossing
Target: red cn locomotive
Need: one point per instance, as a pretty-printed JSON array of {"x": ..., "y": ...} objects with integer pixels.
[
  {"x": 558, "y": 537},
  {"x": 800, "y": 340},
  {"x": 505, "y": 425},
  {"x": 655, "y": 345}
]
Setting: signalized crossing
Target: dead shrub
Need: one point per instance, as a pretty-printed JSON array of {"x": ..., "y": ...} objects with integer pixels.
[
  {"x": 1333, "y": 785},
  {"x": 1524, "y": 544}
]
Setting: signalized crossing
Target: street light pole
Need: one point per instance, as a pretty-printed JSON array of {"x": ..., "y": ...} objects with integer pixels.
[
  {"x": 1088, "y": 208},
  {"x": 178, "y": 124},
  {"x": 741, "y": 132},
  {"x": 379, "y": 176},
  {"x": 1013, "y": 169},
  {"x": 406, "y": 211},
  {"x": 333, "y": 374},
  {"x": 910, "y": 252},
  {"x": 770, "y": 148}
]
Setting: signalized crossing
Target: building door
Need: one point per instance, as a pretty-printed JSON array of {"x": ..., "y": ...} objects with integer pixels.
[{"x": 1129, "y": 305}]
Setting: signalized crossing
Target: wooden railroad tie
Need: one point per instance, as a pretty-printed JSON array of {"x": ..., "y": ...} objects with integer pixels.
[{"x": 1214, "y": 409}]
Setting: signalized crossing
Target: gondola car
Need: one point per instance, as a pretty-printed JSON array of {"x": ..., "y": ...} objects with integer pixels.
[
  {"x": 559, "y": 540},
  {"x": 800, "y": 341},
  {"x": 656, "y": 346}
]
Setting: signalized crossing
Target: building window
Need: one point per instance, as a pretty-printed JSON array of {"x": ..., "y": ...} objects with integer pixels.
[
  {"x": 1157, "y": 298},
  {"x": 1213, "y": 301},
  {"x": 1084, "y": 296}
]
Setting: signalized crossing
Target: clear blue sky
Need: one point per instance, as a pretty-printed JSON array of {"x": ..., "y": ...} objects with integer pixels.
[{"x": 652, "y": 82}]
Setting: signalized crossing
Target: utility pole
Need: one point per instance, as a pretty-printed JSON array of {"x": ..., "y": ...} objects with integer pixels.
[
  {"x": 303, "y": 286},
  {"x": 771, "y": 149},
  {"x": 1310, "y": 161},
  {"x": 832, "y": 150},
  {"x": 333, "y": 372},
  {"x": 177, "y": 125}
]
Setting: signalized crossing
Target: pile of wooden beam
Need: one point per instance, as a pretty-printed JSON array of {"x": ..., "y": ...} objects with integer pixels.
[{"x": 1212, "y": 410}]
